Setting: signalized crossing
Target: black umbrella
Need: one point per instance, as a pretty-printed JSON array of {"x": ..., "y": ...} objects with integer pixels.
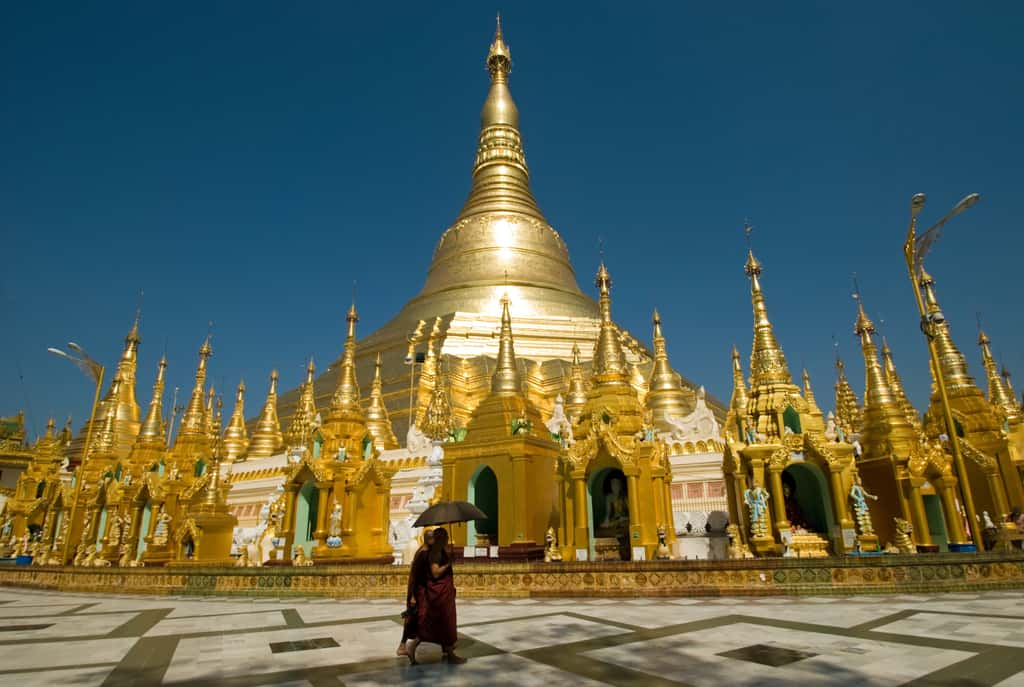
[{"x": 449, "y": 511}]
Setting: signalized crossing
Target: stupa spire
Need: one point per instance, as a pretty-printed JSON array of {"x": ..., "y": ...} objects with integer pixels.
[
  {"x": 665, "y": 394},
  {"x": 437, "y": 419},
  {"x": 103, "y": 444},
  {"x": 767, "y": 361},
  {"x": 377, "y": 421},
  {"x": 1009, "y": 385},
  {"x": 193, "y": 422},
  {"x": 609, "y": 360},
  {"x": 305, "y": 412},
  {"x": 738, "y": 401},
  {"x": 346, "y": 396},
  {"x": 267, "y": 438},
  {"x": 953, "y": 365},
  {"x": 152, "y": 431},
  {"x": 848, "y": 411},
  {"x": 577, "y": 395},
  {"x": 506, "y": 379},
  {"x": 892, "y": 378},
  {"x": 812, "y": 402},
  {"x": 998, "y": 394},
  {"x": 886, "y": 428},
  {"x": 236, "y": 439}
]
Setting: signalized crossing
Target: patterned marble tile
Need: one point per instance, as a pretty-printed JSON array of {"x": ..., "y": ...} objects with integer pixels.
[
  {"x": 965, "y": 628},
  {"x": 217, "y": 623},
  {"x": 533, "y": 633},
  {"x": 64, "y": 654},
  {"x": 67, "y": 626},
  {"x": 79, "y": 677},
  {"x": 226, "y": 656},
  {"x": 696, "y": 658},
  {"x": 504, "y": 670}
]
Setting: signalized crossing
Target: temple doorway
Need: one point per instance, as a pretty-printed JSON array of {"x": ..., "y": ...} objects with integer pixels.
[
  {"x": 147, "y": 513},
  {"x": 483, "y": 493},
  {"x": 808, "y": 500},
  {"x": 609, "y": 510},
  {"x": 306, "y": 504},
  {"x": 936, "y": 521}
]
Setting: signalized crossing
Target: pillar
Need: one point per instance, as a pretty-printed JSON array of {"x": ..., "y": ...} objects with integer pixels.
[
  {"x": 839, "y": 497},
  {"x": 320, "y": 534},
  {"x": 635, "y": 522},
  {"x": 519, "y": 520},
  {"x": 659, "y": 502},
  {"x": 778, "y": 500},
  {"x": 581, "y": 540},
  {"x": 954, "y": 523},
  {"x": 922, "y": 534},
  {"x": 995, "y": 485}
]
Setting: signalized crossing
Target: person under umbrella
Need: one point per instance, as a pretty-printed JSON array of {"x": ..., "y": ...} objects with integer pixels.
[
  {"x": 419, "y": 573},
  {"x": 435, "y": 603}
]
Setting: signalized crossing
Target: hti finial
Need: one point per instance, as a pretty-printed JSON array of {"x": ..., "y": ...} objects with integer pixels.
[
  {"x": 748, "y": 229},
  {"x": 856, "y": 287}
]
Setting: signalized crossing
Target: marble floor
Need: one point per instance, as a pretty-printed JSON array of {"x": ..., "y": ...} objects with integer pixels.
[{"x": 963, "y": 639}]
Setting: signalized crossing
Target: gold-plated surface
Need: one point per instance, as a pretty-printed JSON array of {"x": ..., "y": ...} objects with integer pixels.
[
  {"x": 998, "y": 393},
  {"x": 665, "y": 394},
  {"x": 153, "y": 427},
  {"x": 892, "y": 376},
  {"x": 609, "y": 365},
  {"x": 377, "y": 421},
  {"x": 236, "y": 440},
  {"x": 849, "y": 415},
  {"x": 305, "y": 416},
  {"x": 267, "y": 439}
]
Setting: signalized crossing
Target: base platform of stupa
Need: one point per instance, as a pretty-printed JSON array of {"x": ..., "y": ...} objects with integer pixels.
[{"x": 845, "y": 575}]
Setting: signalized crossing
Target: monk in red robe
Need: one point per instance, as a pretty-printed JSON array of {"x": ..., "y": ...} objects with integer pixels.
[
  {"x": 435, "y": 603},
  {"x": 419, "y": 572}
]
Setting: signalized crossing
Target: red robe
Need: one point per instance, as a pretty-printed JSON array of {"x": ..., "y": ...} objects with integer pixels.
[{"x": 435, "y": 602}]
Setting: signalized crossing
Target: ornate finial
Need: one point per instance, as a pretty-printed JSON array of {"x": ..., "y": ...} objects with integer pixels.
[
  {"x": 999, "y": 393},
  {"x": 506, "y": 375},
  {"x": 767, "y": 361},
  {"x": 499, "y": 57},
  {"x": 267, "y": 438},
  {"x": 752, "y": 267},
  {"x": 437, "y": 421},
  {"x": 192, "y": 422},
  {"x": 892, "y": 378}
]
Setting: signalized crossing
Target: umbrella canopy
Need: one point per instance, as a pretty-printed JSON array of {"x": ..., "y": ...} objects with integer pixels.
[{"x": 449, "y": 511}]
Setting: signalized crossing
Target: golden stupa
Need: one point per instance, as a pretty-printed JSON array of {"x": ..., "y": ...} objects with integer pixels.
[{"x": 500, "y": 243}]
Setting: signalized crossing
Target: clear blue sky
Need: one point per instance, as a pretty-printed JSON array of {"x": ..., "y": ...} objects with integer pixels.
[{"x": 244, "y": 162}]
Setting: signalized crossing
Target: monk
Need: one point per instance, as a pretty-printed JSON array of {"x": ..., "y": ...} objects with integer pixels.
[
  {"x": 419, "y": 572},
  {"x": 435, "y": 603}
]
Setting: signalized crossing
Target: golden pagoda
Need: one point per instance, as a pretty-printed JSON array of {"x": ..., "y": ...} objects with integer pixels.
[
  {"x": 992, "y": 468},
  {"x": 892, "y": 378},
  {"x": 787, "y": 483},
  {"x": 613, "y": 477},
  {"x": 849, "y": 415},
  {"x": 267, "y": 438},
  {"x": 377, "y": 420},
  {"x": 121, "y": 395},
  {"x": 236, "y": 441},
  {"x": 499, "y": 242},
  {"x": 506, "y": 464}
]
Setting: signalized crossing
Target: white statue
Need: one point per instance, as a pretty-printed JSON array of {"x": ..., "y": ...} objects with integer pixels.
[
  {"x": 830, "y": 427},
  {"x": 859, "y": 496},
  {"x": 416, "y": 441},
  {"x": 559, "y": 423},
  {"x": 987, "y": 520},
  {"x": 700, "y": 425},
  {"x": 163, "y": 521}
]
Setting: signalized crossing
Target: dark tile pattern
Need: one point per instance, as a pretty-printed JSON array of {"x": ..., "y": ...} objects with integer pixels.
[
  {"x": 303, "y": 645},
  {"x": 16, "y": 628},
  {"x": 767, "y": 655}
]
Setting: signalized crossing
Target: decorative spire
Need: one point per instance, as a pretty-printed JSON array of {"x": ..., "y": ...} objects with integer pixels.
[
  {"x": 885, "y": 423},
  {"x": 506, "y": 380},
  {"x": 152, "y": 432},
  {"x": 501, "y": 179},
  {"x": 236, "y": 439},
  {"x": 208, "y": 416},
  {"x": 609, "y": 360},
  {"x": 103, "y": 445},
  {"x": 577, "y": 395},
  {"x": 213, "y": 500},
  {"x": 1009, "y": 385},
  {"x": 665, "y": 394},
  {"x": 848, "y": 412},
  {"x": 437, "y": 421},
  {"x": 377, "y": 421},
  {"x": 305, "y": 413},
  {"x": 892, "y": 378},
  {"x": 953, "y": 365},
  {"x": 767, "y": 361},
  {"x": 346, "y": 396},
  {"x": 192, "y": 423},
  {"x": 267, "y": 438},
  {"x": 809, "y": 395},
  {"x": 998, "y": 394},
  {"x": 738, "y": 401}
]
